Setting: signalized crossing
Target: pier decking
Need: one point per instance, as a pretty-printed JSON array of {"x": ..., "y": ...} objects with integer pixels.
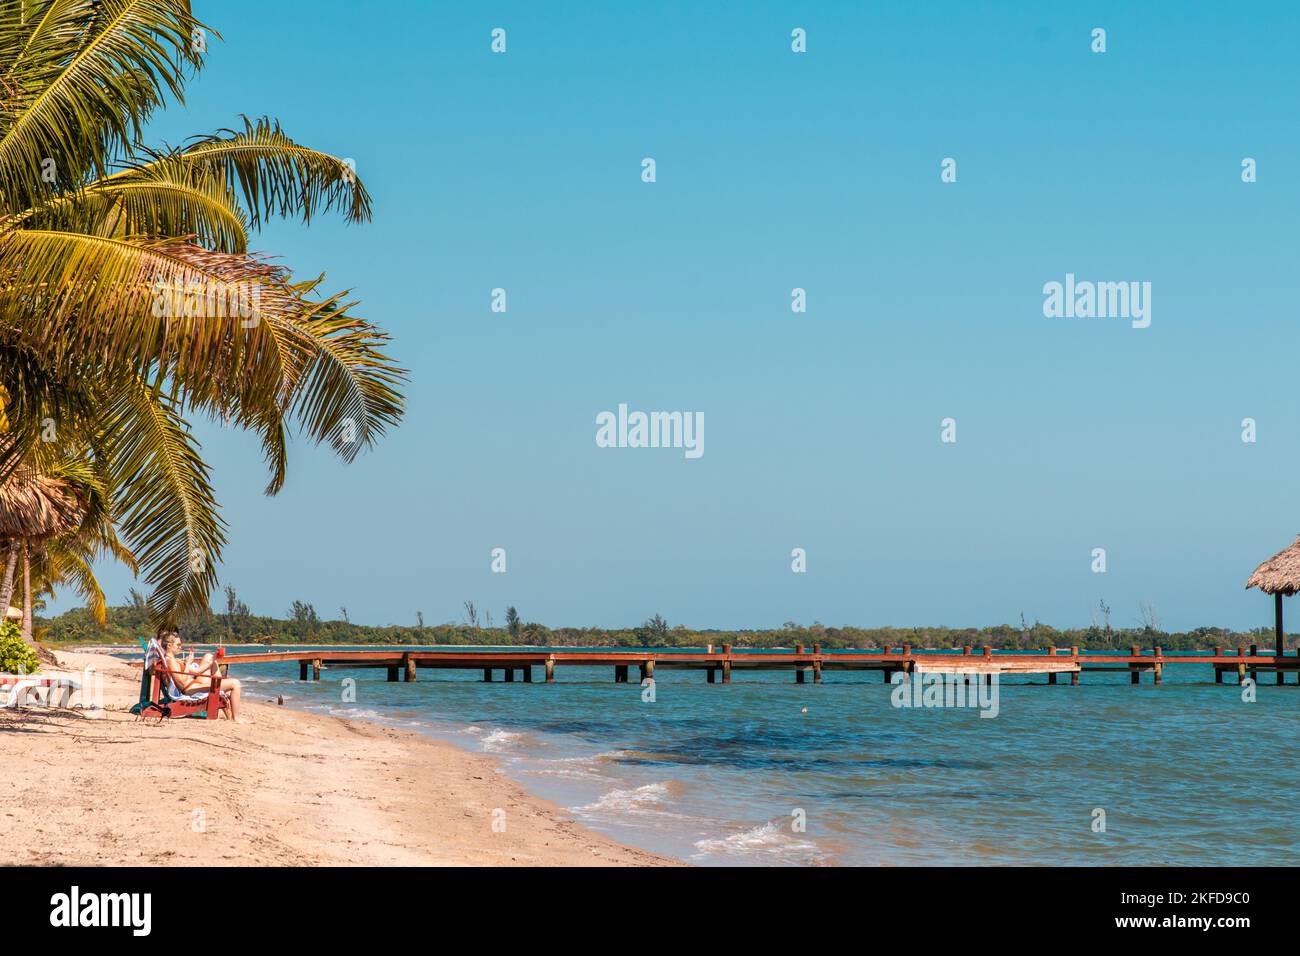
[{"x": 720, "y": 663}]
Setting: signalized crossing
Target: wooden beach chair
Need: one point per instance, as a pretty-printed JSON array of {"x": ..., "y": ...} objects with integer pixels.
[{"x": 163, "y": 706}]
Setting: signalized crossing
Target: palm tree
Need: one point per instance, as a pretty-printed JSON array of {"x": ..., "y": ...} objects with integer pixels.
[
  {"x": 33, "y": 508},
  {"x": 130, "y": 301},
  {"x": 69, "y": 558},
  {"x": 59, "y": 523}
]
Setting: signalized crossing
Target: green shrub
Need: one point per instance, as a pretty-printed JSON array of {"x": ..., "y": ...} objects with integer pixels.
[{"x": 15, "y": 655}]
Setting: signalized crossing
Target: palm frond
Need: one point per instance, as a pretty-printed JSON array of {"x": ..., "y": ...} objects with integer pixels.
[
  {"x": 57, "y": 564},
  {"x": 79, "y": 301},
  {"x": 159, "y": 201},
  {"x": 336, "y": 379},
  {"x": 38, "y": 402},
  {"x": 80, "y": 90},
  {"x": 164, "y": 503},
  {"x": 278, "y": 176},
  {"x": 347, "y": 393}
]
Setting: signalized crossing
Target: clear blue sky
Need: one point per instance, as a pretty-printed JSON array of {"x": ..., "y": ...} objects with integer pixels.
[{"x": 778, "y": 170}]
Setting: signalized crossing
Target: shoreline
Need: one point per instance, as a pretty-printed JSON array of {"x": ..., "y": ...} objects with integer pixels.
[{"x": 289, "y": 788}]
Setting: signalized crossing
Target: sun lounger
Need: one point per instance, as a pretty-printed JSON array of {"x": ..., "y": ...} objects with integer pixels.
[{"x": 16, "y": 688}]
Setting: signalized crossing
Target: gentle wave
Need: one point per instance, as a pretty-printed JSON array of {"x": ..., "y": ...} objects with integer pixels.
[
  {"x": 593, "y": 767},
  {"x": 500, "y": 740},
  {"x": 644, "y": 799},
  {"x": 767, "y": 840}
]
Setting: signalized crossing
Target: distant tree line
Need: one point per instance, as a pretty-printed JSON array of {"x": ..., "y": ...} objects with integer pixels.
[{"x": 302, "y": 625}]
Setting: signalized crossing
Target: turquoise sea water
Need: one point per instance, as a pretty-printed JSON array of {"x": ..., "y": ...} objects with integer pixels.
[{"x": 1186, "y": 773}]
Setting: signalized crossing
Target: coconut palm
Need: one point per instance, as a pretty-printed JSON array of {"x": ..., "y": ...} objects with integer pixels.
[
  {"x": 130, "y": 301},
  {"x": 59, "y": 524},
  {"x": 33, "y": 508},
  {"x": 69, "y": 558}
]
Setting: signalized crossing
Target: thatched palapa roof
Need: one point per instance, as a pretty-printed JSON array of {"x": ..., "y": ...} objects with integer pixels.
[
  {"x": 35, "y": 506},
  {"x": 1280, "y": 574}
]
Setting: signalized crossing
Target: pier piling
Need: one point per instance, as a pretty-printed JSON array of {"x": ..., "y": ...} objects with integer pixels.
[{"x": 1278, "y": 636}]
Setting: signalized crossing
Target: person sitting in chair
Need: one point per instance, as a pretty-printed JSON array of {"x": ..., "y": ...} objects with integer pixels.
[{"x": 191, "y": 677}]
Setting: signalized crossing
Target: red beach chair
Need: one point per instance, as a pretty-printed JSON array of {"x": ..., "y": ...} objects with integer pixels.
[{"x": 164, "y": 705}]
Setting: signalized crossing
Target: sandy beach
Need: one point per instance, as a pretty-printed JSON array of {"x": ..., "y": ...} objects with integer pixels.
[{"x": 285, "y": 789}]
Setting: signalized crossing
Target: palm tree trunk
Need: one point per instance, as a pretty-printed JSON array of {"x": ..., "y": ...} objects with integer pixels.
[
  {"x": 27, "y": 595},
  {"x": 7, "y": 586}
]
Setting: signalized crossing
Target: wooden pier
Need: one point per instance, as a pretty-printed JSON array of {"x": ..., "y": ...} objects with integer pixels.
[{"x": 719, "y": 663}]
